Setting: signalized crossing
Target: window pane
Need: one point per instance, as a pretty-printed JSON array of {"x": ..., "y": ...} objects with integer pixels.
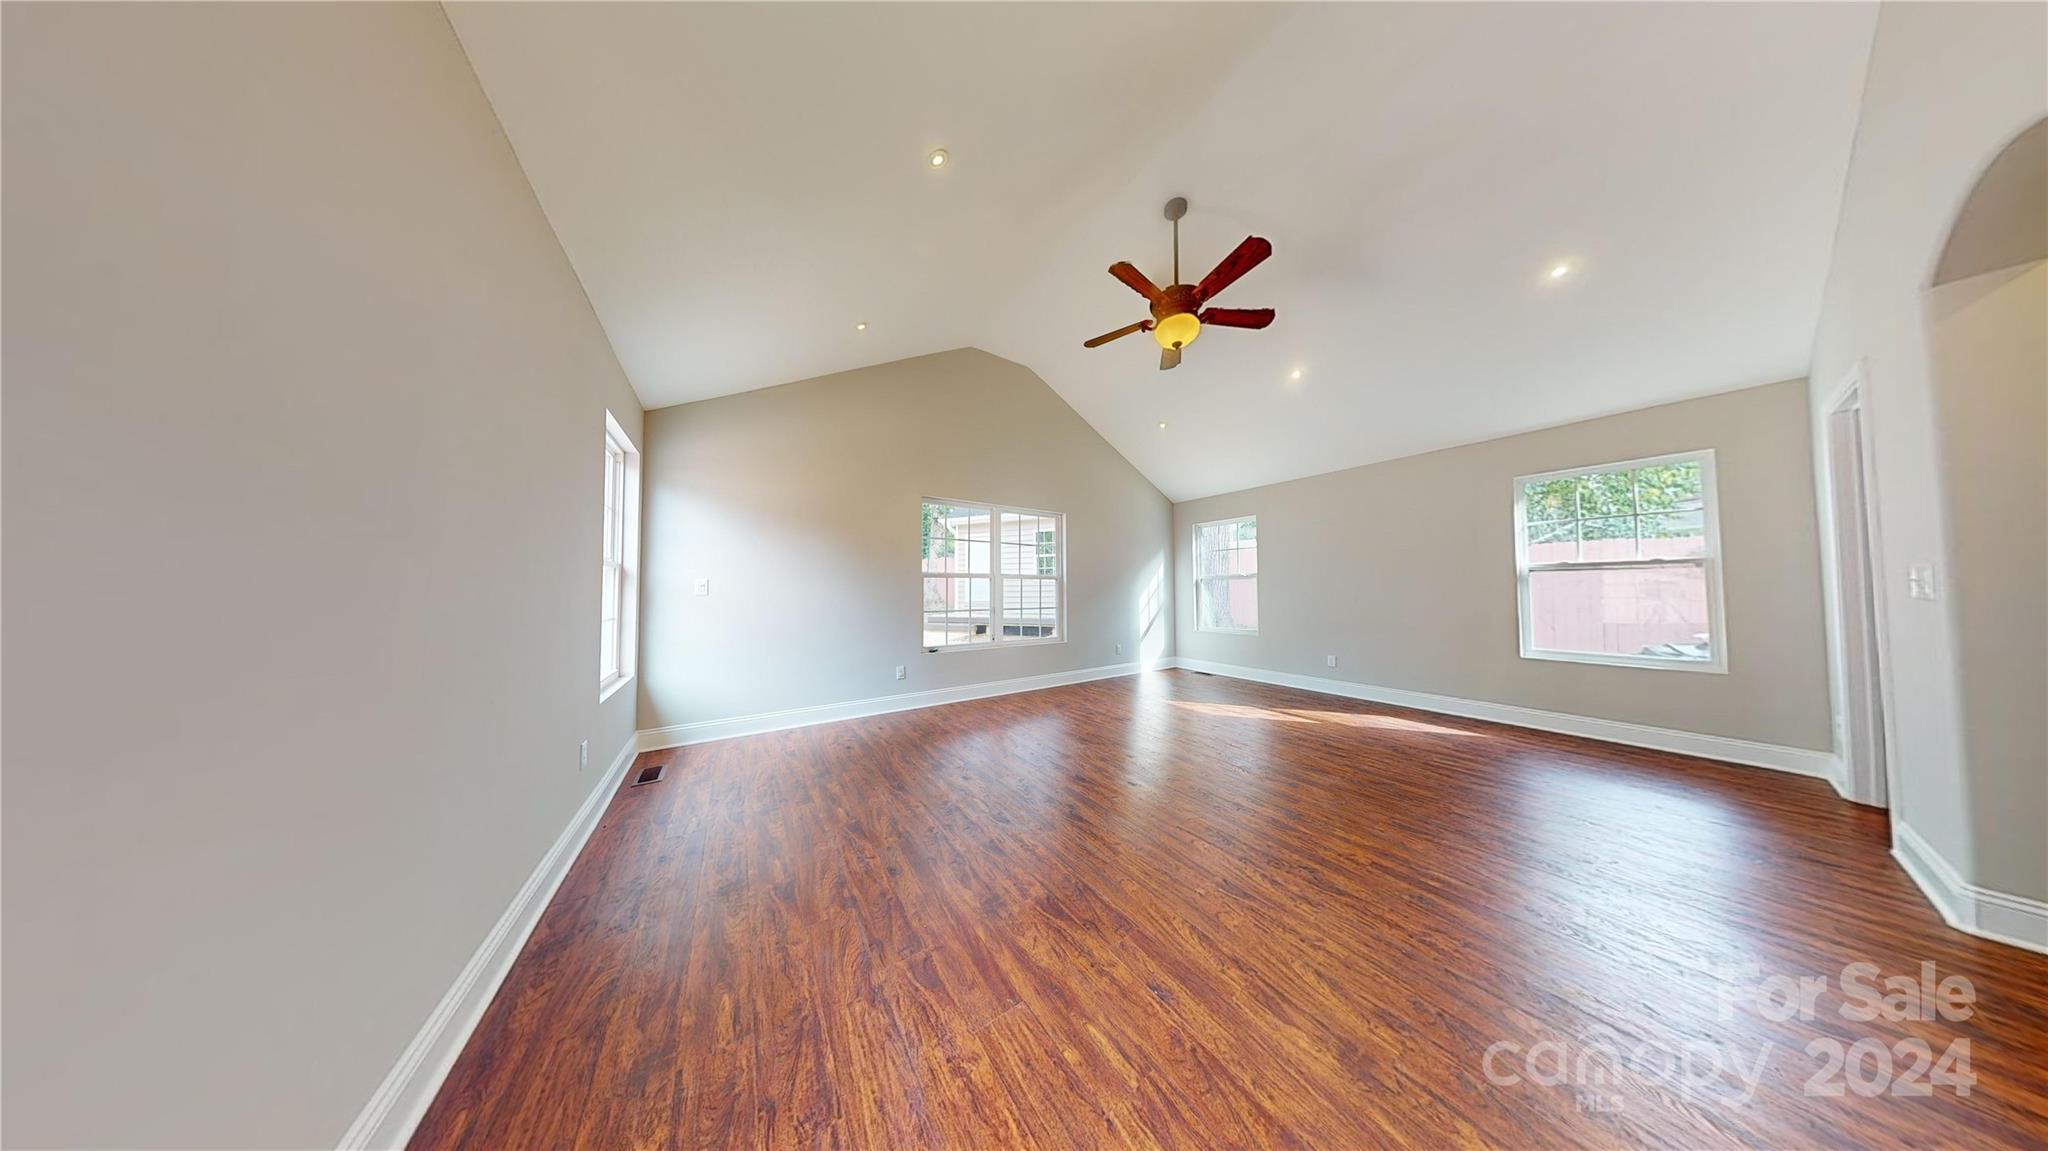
[
  {"x": 956, "y": 611},
  {"x": 1028, "y": 544},
  {"x": 1230, "y": 548},
  {"x": 1607, "y": 494},
  {"x": 614, "y": 551},
  {"x": 1551, "y": 543},
  {"x": 1550, "y": 500},
  {"x": 1224, "y": 603},
  {"x": 1608, "y": 539},
  {"x": 1674, "y": 535},
  {"x": 1670, "y": 487},
  {"x": 1031, "y": 608},
  {"x": 956, "y": 539},
  {"x": 1656, "y": 611}
]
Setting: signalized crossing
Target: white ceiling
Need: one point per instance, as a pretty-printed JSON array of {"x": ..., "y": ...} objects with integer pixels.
[{"x": 737, "y": 186}]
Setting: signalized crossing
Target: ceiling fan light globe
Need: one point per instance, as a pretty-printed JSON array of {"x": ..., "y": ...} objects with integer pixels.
[{"x": 1177, "y": 331}]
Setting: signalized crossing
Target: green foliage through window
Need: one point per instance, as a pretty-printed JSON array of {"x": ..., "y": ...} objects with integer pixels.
[
  {"x": 935, "y": 518},
  {"x": 1659, "y": 508},
  {"x": 1552, "y": 500}
]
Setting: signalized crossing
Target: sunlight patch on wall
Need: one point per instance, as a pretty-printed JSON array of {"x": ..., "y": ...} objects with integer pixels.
[{"x": 1151, "y": 616}]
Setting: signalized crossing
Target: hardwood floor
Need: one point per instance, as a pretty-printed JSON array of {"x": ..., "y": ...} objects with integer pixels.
[{"x": 1183, "y": 911}]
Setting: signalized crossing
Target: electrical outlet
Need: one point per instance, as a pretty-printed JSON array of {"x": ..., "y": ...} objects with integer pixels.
[
  {"x": 1329, "y": 661},
  {"x": 1119, "y": 649},
  {"x": 703, "y": 586},
  {"x": 582, "y": 755},
  {"x": 902, "y": 672}
]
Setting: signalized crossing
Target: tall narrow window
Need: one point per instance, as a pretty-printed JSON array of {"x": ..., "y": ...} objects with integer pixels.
[
  {"x": 1620, "y": 564},
  {"x": 1227, "y": 576},
  {"x": 617, "y": 598},
  {"x": 992, "y": 576}
]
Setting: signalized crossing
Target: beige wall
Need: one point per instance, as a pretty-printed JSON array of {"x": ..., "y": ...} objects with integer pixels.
[
  {"x": 1949, "y": 85},
  {"x": 800, "y": 505},
  {"x": 303, "y": 484},
  {"x": 1405, "y": 571},
  {"x": 1988, "y": 336}
]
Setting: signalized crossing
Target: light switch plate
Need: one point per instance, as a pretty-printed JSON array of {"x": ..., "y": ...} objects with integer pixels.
[
  {"x": 1920, "y": 581},
  {"x": 703, "y": 586}
]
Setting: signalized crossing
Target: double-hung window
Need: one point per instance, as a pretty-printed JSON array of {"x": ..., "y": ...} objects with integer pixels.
[
  {"x": 1227, "y": 575},
  {"x": 1620, "y": 564},
  {"x": 993, "y": 576},
  {"x": 616, "y": 601}
]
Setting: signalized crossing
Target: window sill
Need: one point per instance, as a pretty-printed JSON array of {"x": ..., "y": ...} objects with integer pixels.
[
  {"x": 611, "y": 687},
  {"x": 999, "y": 645},
  {"x": 1227, "y": 630},
  {"x": 1649, "y": 663}
]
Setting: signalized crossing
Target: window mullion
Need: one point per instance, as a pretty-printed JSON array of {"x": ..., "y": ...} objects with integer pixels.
[
  {"x": 1635, "y": 507},
  {"x": 996, "y": 597}
]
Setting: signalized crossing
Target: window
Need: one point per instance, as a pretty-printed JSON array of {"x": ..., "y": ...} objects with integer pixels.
[
  {"x": 992, "y": 575},
  {"x": 1227, "y": 576},
  {"x": 1620, "y": 564},
  {"x": 617, "y": 600}
]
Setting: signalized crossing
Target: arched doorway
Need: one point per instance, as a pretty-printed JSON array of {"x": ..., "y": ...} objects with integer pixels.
[{"x": 1987, "y": 328}]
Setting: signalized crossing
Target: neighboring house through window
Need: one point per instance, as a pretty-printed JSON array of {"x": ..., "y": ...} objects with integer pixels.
[{"x": 992, "y": 575}]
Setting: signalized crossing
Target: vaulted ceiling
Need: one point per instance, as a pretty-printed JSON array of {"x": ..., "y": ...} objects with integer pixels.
[{"x": 739, "y": 186}]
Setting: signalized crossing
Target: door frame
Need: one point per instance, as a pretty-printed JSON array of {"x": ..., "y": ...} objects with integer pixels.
[{"x": 1859, "y": 782}]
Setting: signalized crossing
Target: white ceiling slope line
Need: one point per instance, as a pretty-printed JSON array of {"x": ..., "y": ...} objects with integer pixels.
[{"x": 739, "y": 186}]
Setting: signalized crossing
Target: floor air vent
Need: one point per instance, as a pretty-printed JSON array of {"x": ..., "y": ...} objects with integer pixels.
[{"x": 650, "y": 774}]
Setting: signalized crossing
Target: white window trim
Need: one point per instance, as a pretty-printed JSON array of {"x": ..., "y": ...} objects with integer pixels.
[
  {"x": 1717, "y": 615},
  {"x": 629, "y": 567},
  {"x": 1195, "y": 565},
  {"x": 997, "y": 641}
]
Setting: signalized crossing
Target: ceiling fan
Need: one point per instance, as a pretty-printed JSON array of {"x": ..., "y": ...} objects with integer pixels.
[{"x": 1177, "y": 309}]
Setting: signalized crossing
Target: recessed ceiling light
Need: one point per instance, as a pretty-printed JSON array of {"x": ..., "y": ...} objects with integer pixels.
[
  {"x": 1560, "y": 271},
  {"x": 938, "y": 158},
  {"x": 861, "y": 327},
  {"x": 1162, "y": 425},
  {"x": 1295, "y": 374}
]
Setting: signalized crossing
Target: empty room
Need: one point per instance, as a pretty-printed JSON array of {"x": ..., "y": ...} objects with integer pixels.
[{"x": 1070, "y": 575}]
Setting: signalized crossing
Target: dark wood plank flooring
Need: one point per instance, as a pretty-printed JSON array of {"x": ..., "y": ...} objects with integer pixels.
[{"x": 1183, "y": 911}]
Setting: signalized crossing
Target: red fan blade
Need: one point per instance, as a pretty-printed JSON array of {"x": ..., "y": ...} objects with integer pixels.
[
  {"x": 1169, "y": 358},
  {"x": 1135, "y": 280},
  {"x": 1244, "y": 258},
  {"x": 1120, "y": 333},
  {"x": 1238, "y": 317}
]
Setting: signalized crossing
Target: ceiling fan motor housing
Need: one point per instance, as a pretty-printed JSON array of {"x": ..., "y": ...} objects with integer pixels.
[{"x": 1174, "y": 301}]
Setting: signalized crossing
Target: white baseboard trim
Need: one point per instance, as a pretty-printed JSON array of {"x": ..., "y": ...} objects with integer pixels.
[
  {"x": 706, "y": 730},
  {"x": 1981, "y": 911},
  {"x": 400, "y": 1102},
  {"x": 1797, "y": 760}
]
